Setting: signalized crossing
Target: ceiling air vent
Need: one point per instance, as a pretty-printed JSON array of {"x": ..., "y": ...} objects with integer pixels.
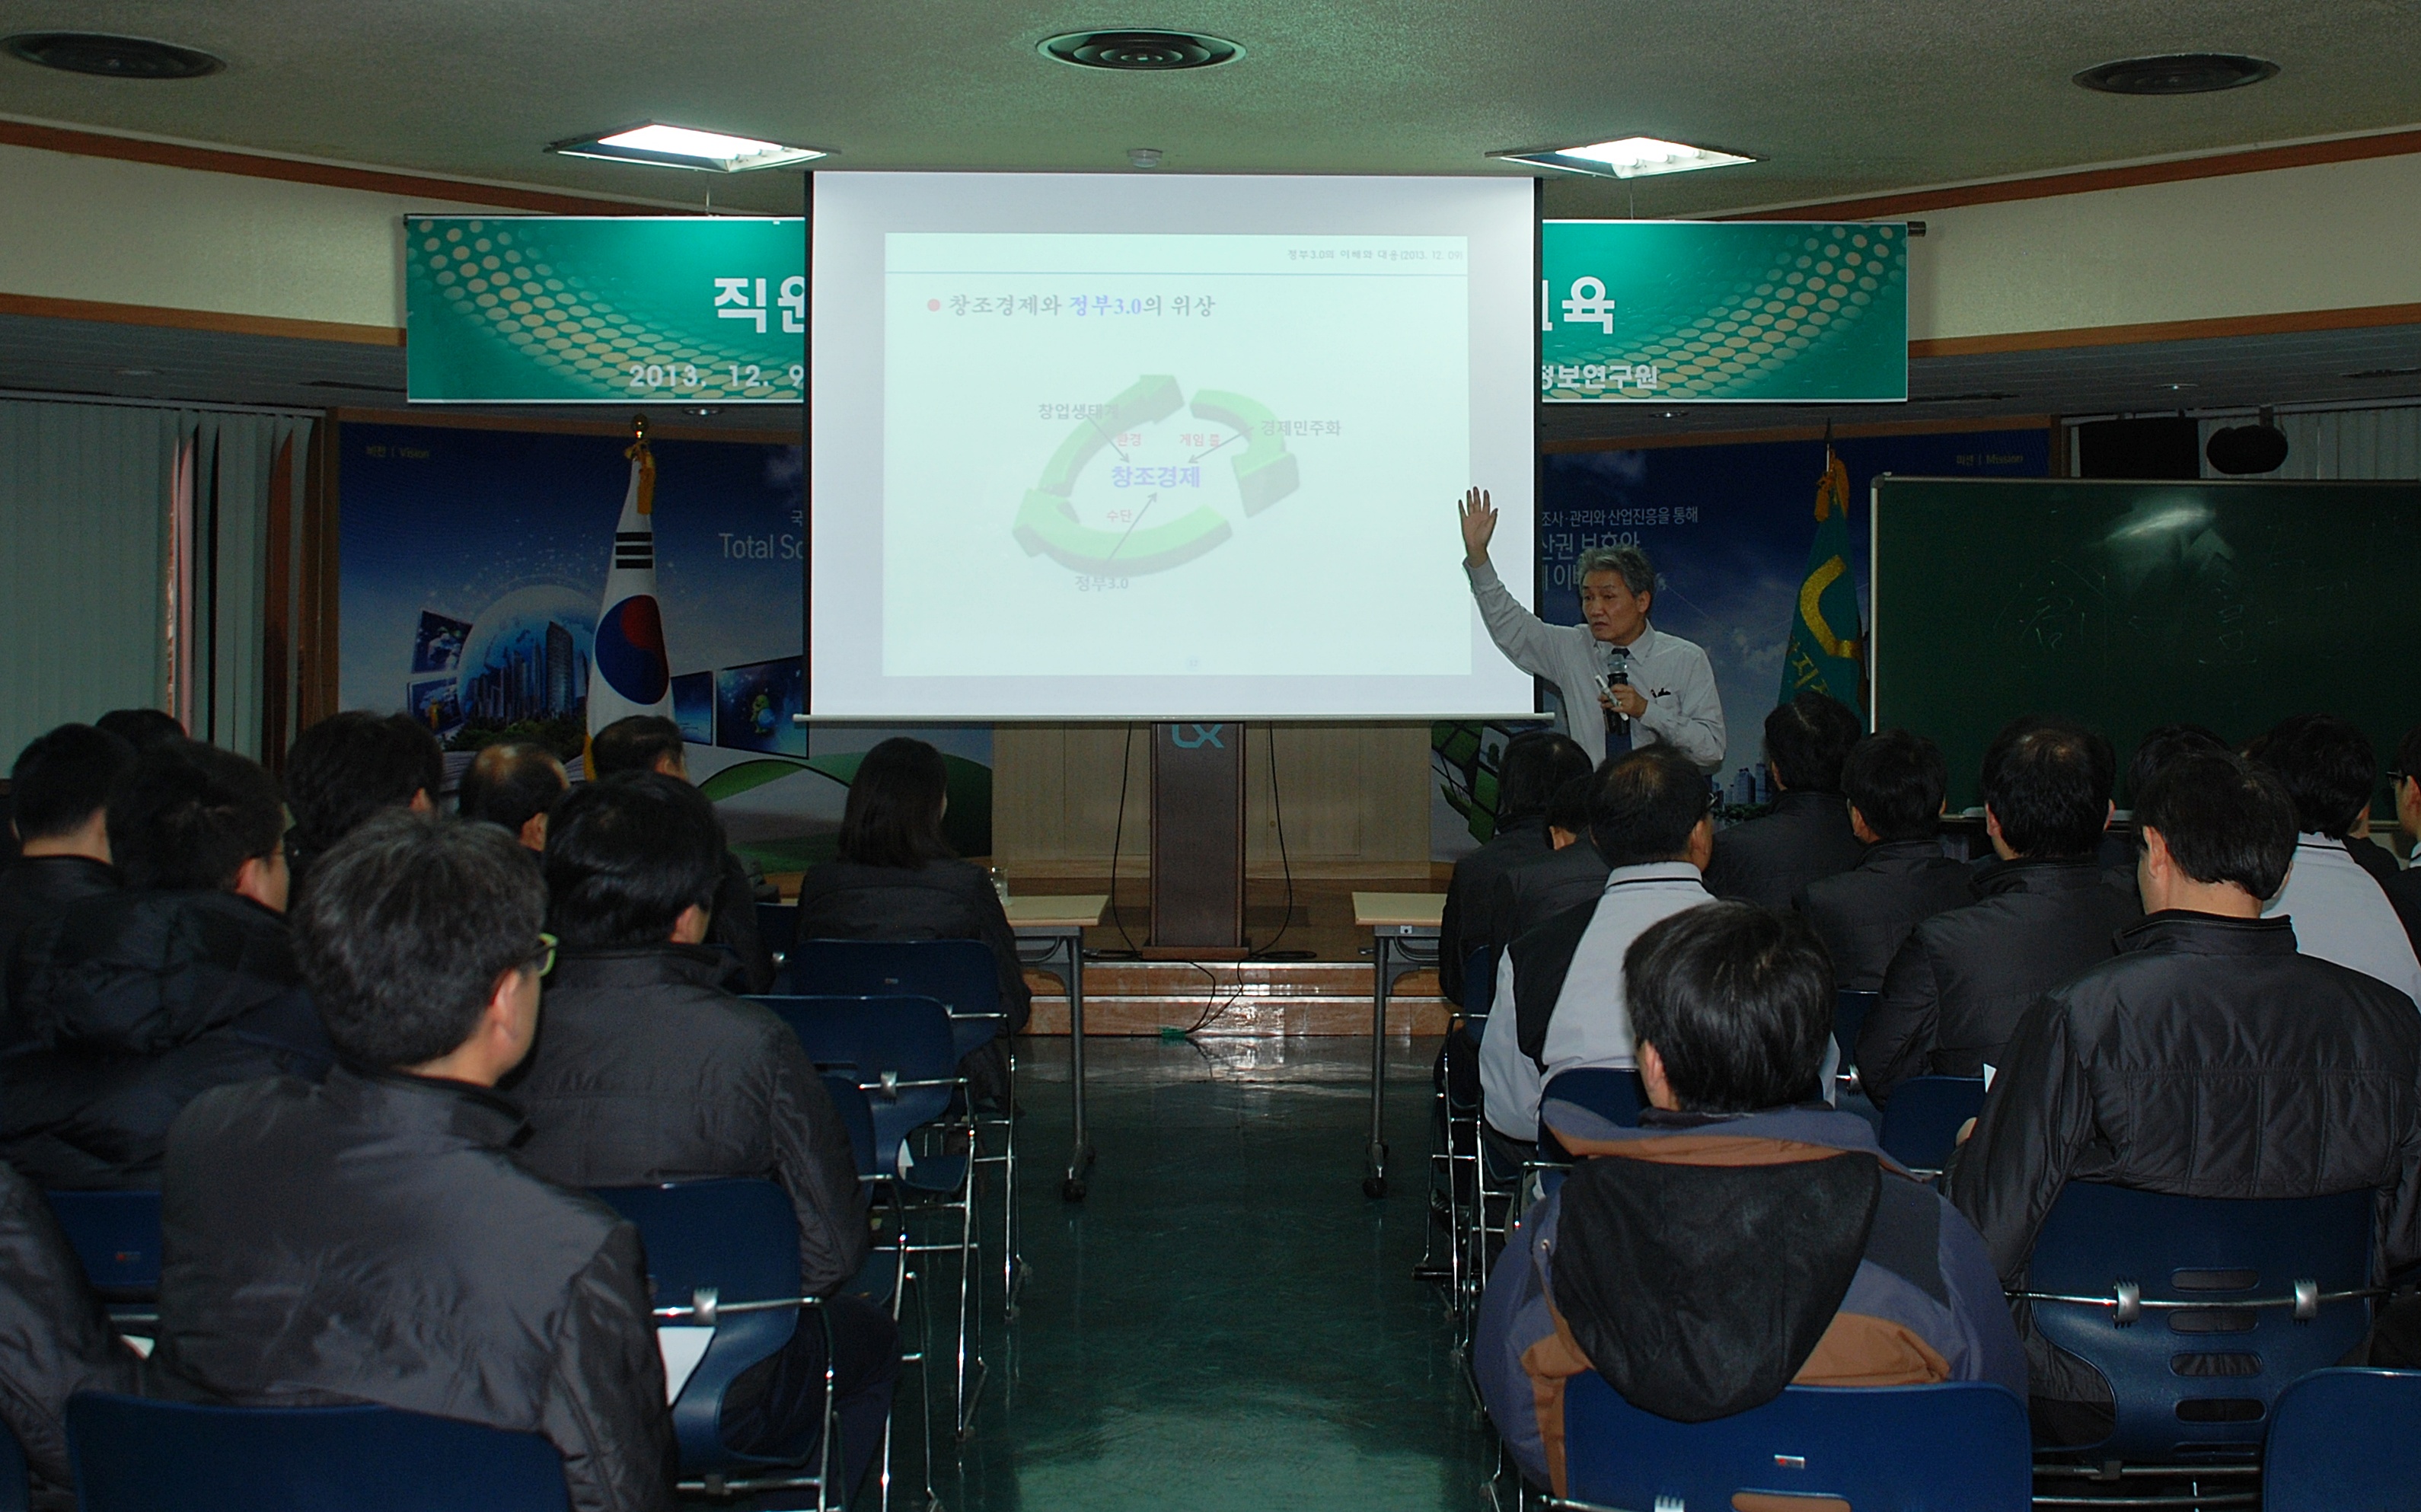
[
  {"x": 1137, "y": 51},
  {"x": 2178, "y": 73},
  {"x": 110, "y": 57}
]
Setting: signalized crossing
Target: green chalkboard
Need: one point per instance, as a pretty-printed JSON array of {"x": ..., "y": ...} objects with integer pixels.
[{"x": 2131, "y": 606}]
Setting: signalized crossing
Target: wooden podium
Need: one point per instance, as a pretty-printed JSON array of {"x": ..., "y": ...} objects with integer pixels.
[{"x": 1197, "y": 842}]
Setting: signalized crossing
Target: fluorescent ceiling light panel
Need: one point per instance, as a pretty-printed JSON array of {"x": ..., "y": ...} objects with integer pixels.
[
  {"x": 682, "y": 146},
  {"x": 1631, "y": 157}
]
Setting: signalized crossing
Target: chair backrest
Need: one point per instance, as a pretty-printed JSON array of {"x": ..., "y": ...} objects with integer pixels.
[
  {"x": 117, "y": 1236},
  {"x": 2342, "y": 1438},
  {"x": 857, "y": 1116},
  {"x": 1479, "y": 982},
  {"x": 2198, "y": 1382},
  {"x": 900, "y": 1048},
  {"x": 777, "y": 925},
  {"x": 961, "y": 974},
  {"x": 739, "y": 1239},
  {"x": 135, "y": 1454},
  {"x": 16, "y": 1478},
  {"x": 1849, "y": 1008},
  {"x": 1962, "y": 1445},
  {"x": 1922, "y": 1120},
  {"x": 1613, "y": 1094}
]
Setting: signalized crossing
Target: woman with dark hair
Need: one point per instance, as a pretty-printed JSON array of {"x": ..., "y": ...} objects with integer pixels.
[{"x": 897, "y": 879}]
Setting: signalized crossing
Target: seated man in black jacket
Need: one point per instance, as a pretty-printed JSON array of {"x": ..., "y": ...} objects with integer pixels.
[
  {"x": 2043, "y": 912},
  {"x": 58, "y": 794},
  {"x": 1767, "y": 861},
  {"x": 1571, "y": 875},
  {"x": 650, "y": 742},
  {"x": 645, "y": 1072},
  {"x": 2208, "y": 1059},
  {"x": 1533, "y": 767},
  {"x": 1894, "y": 781},
  {"x": 513, "y": 784},
  {"x": 55, "y": 1338},
  {"x": 372, "y": 1238},
  {"x": 131, "y": 1003}
]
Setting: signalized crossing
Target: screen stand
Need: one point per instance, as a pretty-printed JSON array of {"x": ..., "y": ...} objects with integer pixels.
[{"x": 1197, "y": 842}]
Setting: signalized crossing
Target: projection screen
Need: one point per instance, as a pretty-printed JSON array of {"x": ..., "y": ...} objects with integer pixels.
[{"x": 1137, "y": 448}]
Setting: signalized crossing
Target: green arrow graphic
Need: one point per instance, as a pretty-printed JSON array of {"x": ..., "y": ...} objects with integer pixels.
[{"x": 1266, "y": 472}]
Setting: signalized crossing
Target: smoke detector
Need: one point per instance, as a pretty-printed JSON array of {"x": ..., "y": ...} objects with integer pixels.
[
  {"x": 2178, "y": 73},
  {"x": 107, "y": 56}
]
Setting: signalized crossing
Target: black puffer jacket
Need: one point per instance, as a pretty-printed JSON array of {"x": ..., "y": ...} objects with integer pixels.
[
  {"x": 371, "y": 1239},
  {"x": 1470, "y": 920},
  {"x": 1537, "y": 891},
  {"x": 54, "y": 1338},
  {"x": 1954, "y": 992},
  {"x": 1865, "y": 915},
  {"x": 645, "y": 1071},
  {"x": 126, "y": 1008},
  {"x": 36, "y": 890},
  {"x": 2207, "y": 1060},
  {"x": 939, "y": 900},
  {"x": 1767, "y": 861}
]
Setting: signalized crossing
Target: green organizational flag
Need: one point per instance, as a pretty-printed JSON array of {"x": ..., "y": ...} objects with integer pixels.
[{"x": 1827, "y": 652}]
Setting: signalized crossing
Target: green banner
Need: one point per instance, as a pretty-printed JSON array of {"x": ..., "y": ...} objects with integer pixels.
[
  {"x": 1716, "y": 312},
  {"x": 604, "y": 310}
]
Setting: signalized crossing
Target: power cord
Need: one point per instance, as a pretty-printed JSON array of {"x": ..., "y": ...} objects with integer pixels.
[{"x": 1118, "y": 839}]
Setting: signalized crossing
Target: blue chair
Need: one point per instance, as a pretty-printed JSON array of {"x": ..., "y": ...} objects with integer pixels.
[
  {"x": 2342, "y": 1438},
  {"x": 1960, "y": 1446},
  {"x": 901, "y": 1052},
  {"x": 962, "y": 976},
  {"x": 2199, "y": 1311},
  {"x": 724, "y": 1255},
  {"x": 117, "y": 1236},
  {"x": 16, "y": 1476},
  {"x": 777, "y": 925},
  {"x": 1614, "y": 1096},
  {"x": 136, "y": 1454},
  {"x": 1921, "y": 1123}
]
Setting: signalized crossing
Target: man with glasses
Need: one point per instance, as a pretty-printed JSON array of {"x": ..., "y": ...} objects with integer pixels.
[
  {"x": 1559, "y": 992},
  {"x": 372, "y": 1238}
]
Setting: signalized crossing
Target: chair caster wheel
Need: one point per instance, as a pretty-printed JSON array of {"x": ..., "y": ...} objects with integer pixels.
[
  {"x": 1071, "y": 1189},
  {"x": 1374, "y": 1186}
]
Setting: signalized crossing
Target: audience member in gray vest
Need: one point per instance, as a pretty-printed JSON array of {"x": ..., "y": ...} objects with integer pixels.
[
  {"x": 1893, "y": 782},
  {"x": 2341, "y": 912}
]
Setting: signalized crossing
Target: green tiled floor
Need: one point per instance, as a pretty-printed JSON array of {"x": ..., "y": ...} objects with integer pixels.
[{"x": 1226, "y": 1323}]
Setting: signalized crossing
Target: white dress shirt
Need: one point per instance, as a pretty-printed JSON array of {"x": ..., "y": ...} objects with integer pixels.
[
  {"x": 1590, "y": 1025},
  {"x": 1684, "y": 709},
  {"x": 2341, "y": 914}
]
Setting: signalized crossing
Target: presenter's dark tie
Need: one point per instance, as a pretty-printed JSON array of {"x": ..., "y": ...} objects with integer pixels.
[{"x": 1617, "y": 726}]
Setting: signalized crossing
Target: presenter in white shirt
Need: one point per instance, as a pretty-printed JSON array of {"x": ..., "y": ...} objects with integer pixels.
[{"x": 1651, "y": 687}]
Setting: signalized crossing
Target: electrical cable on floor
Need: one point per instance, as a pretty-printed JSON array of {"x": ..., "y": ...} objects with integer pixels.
[{"x": 1117, "y": 838}]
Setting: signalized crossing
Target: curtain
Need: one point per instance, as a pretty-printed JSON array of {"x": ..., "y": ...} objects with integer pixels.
[
  {"x": 96, "y": 577},
  {"x": 2383, "y": 442}
]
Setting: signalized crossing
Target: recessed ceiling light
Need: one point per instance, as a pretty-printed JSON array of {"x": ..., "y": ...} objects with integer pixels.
[
  {"x": 110, "y": 57},
  {"x": 2178, "y": 73},
  {"x": 1630, "y": 157},
  {"x": 1140, "y": 50},
  {"x": 682, "y": 146}
]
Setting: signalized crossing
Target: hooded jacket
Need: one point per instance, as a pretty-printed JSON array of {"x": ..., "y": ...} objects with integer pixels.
[
  {"x": 1953, "y": 993},
  {"x": 373, "y": 1239},
  {"x": 2207, "y": 1060},
  {"x": 645, "y": 1071},
  {"x": 1767, "y": 861},
  {"x": 1702, "y": 1264},
  {"x": 125, "y": 1008},
  {"x": 1865, "y": 915},
  {"x": 55, "y": 1340}
]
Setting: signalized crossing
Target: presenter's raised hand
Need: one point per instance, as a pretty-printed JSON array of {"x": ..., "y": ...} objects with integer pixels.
[{"x": 1478, "y": 525}]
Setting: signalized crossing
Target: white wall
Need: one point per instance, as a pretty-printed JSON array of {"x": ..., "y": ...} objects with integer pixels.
[{"x": 2331, "y": 236}]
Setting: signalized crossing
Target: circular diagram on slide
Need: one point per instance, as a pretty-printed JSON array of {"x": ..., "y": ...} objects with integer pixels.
[{"x": 1144, "y": 484}]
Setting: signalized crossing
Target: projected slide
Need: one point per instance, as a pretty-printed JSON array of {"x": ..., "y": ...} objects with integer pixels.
[{"x": 1129, "y": 472}]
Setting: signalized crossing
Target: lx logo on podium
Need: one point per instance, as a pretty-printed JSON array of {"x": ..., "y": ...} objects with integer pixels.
[{"x": 1203, "y": 735}]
